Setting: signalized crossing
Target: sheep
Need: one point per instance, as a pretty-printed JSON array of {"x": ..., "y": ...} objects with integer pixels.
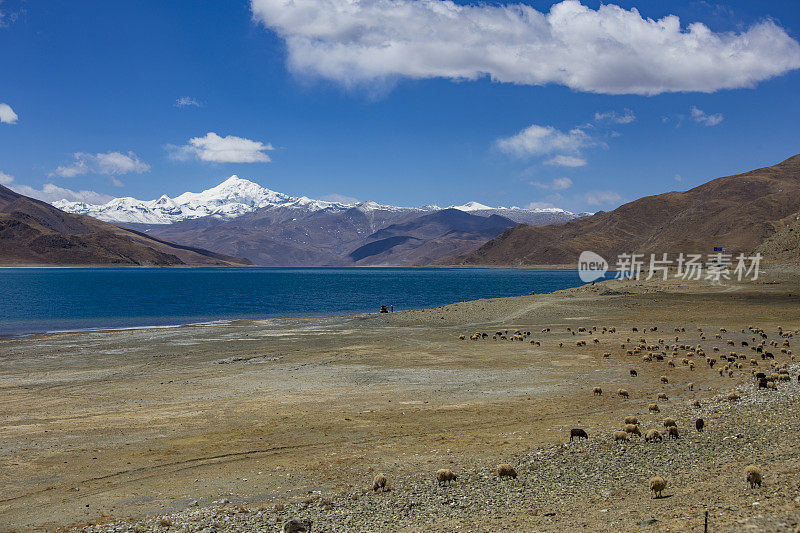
[
  {"x": 663, "y": 396},
  {"x": 296, "y": 526},
  {"x": 633, "y": 372},
  {"x": 631, "y": 420},
  {"x": 444, "y": 475},
  {"x": 461, "y": 337},
  {"x": 699, "y": 424},
  {"x": 606, "y": 355},
  {"x": 653, "y": 408},
  {"x": 620, "y": 436},
  {"x": 379, "y": 483},
  {"x": 691, "y": 385},
  {"x": 623, "y": 393},
  {"x": 633, "y": 429},
  {"x": 657, "y": 485},
  {"x": 652, "y": 435},
  {"x": 671, "y": 364},
  {"x": 732, "y": 397},
  {"x": 672, "y": 432},
  {"x": 696, "y": 403},
  {"x": 753, "y": 475},
  {"x": 598, "y": 391},
  {"x": 506, "y": 470},
  {"x": 668, "y": 422},
  {"x": 664, "y": 379},
  {"x": 577, "y": 433}
]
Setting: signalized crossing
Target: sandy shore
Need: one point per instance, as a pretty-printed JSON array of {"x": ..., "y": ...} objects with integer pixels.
[{"x": 99, "y": 426}]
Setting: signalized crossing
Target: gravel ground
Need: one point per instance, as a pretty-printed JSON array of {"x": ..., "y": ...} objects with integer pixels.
[{"x": 595, "y": 484}]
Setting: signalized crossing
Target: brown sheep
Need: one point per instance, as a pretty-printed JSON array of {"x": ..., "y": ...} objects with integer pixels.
[
  {"x": 672, "y": 432},
  {"x": 653, "y": 407},
  {"x": 664, "y": 379},
  {"x": 444, "y": 475},
  {"x": 597, "y": 391},
  {"x": 631, "y": 420},
  {"x": 620, "y": 436},
  {"x": 753, "y": 475},
  {"x": 657, "y": 485},
  {"x": 732, "y": 397},
  {"x": 506, "y": 470},
  {"x": 379, "y": 483},
  {"x": 663, "y": 396},
  {"x": 669, "y": 422},
  {"x": 652, "y": 435},
  {"x": 633, "y": 429},
  {"x": 623, "y": 393}
]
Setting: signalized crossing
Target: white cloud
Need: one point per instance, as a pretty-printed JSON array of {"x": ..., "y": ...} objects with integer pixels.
[
  {"x": 566, "y": 161},
  {"x": 187, "y": 101},
  {"x": 558, "y": 184},
  {"x": 216, "y": 149},
  {"x": 7, "y": 115},
  {"x": 612, "y": 116},
  {"x": 602, "y": 197},
  {"x": 540, "y": 205},
  {"x": 52, "y": 193},
  {"x": 700, "y": 116},
  {"x": 678, "y": 178},
  {"x": 340, "y": 198},
  {"x": 540, "y": 140},
  {"x": 610, "y": 50},
  {"x": 5, "y": 179},
  {"x": 116, "y": 183},
  {"x": 110, "y": 163}
]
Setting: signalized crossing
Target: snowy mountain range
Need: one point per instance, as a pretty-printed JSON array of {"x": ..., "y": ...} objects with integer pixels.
[{"x": 236, "y": 196}]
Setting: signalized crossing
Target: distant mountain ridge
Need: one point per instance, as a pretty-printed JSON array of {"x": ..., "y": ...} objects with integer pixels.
[
  {"x": 36, "y": 233},
  {"x": 739, "y": 213},
  {"x": 236, "y": 196}
]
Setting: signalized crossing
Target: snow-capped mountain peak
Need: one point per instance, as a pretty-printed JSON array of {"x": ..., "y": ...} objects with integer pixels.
[{"x": 236, "y": 196}]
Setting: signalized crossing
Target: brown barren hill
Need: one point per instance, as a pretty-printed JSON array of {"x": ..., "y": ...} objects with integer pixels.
[
  {"x": 738, "y": 212},
  {"x": 36, "y": 233}
]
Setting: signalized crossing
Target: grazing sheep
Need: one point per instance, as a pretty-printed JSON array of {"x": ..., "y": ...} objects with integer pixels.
[
  {"x": 691, "y": 385},
  {"x": 623, "y": 393},
  {"x": 699, "y": 424},
  {"x": 653, "y": 408},
  {"x": 461, "y": 337},
  {"x": 671, "y": 364},
  {"x": 753, "y": 475},
  {"x": 296, "y": 526},
  {"x": 663, "y": 396},
  {"x": 577, "y": 433},
  {"x": 444, "y": 475},
  {"x": 631, "y": 420},
  {"x": 732, "y": 397},
  {"x": 633, "y": 372},
  {"x": 672, "y": 432},
  {"x": 597, "y": 391},
  {"x": 506, "y": 470},
  {"x": 696, "y": 403},
  {"x": 620, "y": 436},
  {"x": 657, "y": 485},
  {"x": 668, "y": 422},
  {"x": 379, "y": 483},
  {"x": 652, "y": 435},
  {"x": 664, "y": 379},
  {"x": 633, "y": 429},
  {"x": 606, "y": 355}
]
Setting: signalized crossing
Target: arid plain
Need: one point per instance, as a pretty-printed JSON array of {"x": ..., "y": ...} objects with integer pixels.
[{"x": 242, "y": 426}]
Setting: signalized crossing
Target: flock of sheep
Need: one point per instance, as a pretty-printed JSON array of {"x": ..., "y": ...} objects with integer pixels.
[{"x": 759, "y": 343}]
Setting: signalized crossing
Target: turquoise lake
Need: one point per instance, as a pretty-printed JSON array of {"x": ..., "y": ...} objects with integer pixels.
[{"x": 66, "y": 299}]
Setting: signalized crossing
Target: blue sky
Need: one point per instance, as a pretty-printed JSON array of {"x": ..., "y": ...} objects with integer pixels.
[{"x": 387, "y": 100}]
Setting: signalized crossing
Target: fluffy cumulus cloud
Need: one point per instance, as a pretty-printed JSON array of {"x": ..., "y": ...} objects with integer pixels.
[
  {"x": 216, "y": 149},
  {"x": 52, "y": 193},
  {"x": 187, "y": 101},
  {"x": 7, "y": 115},
  {"x": 109, "y": 163},
  {"x": 558, "y": 184},
  {"x": 542, "y": 140},
  {"x": 701, "y": 117},
  {"x": 602, "y": 198},
  {"x": 609, "y": 50},
  {"x": 5, "y": 179},
  {"x": 566, "y": 161},
  {"x": 618, "y": 118}
]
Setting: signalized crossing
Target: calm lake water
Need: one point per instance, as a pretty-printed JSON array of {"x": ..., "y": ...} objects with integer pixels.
[{"x": 62, "y": 299}]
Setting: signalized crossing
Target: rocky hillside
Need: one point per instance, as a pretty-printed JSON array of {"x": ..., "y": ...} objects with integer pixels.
[
  {"x": 736, "y": 212},
  {"x": 36, "y": 233}
]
